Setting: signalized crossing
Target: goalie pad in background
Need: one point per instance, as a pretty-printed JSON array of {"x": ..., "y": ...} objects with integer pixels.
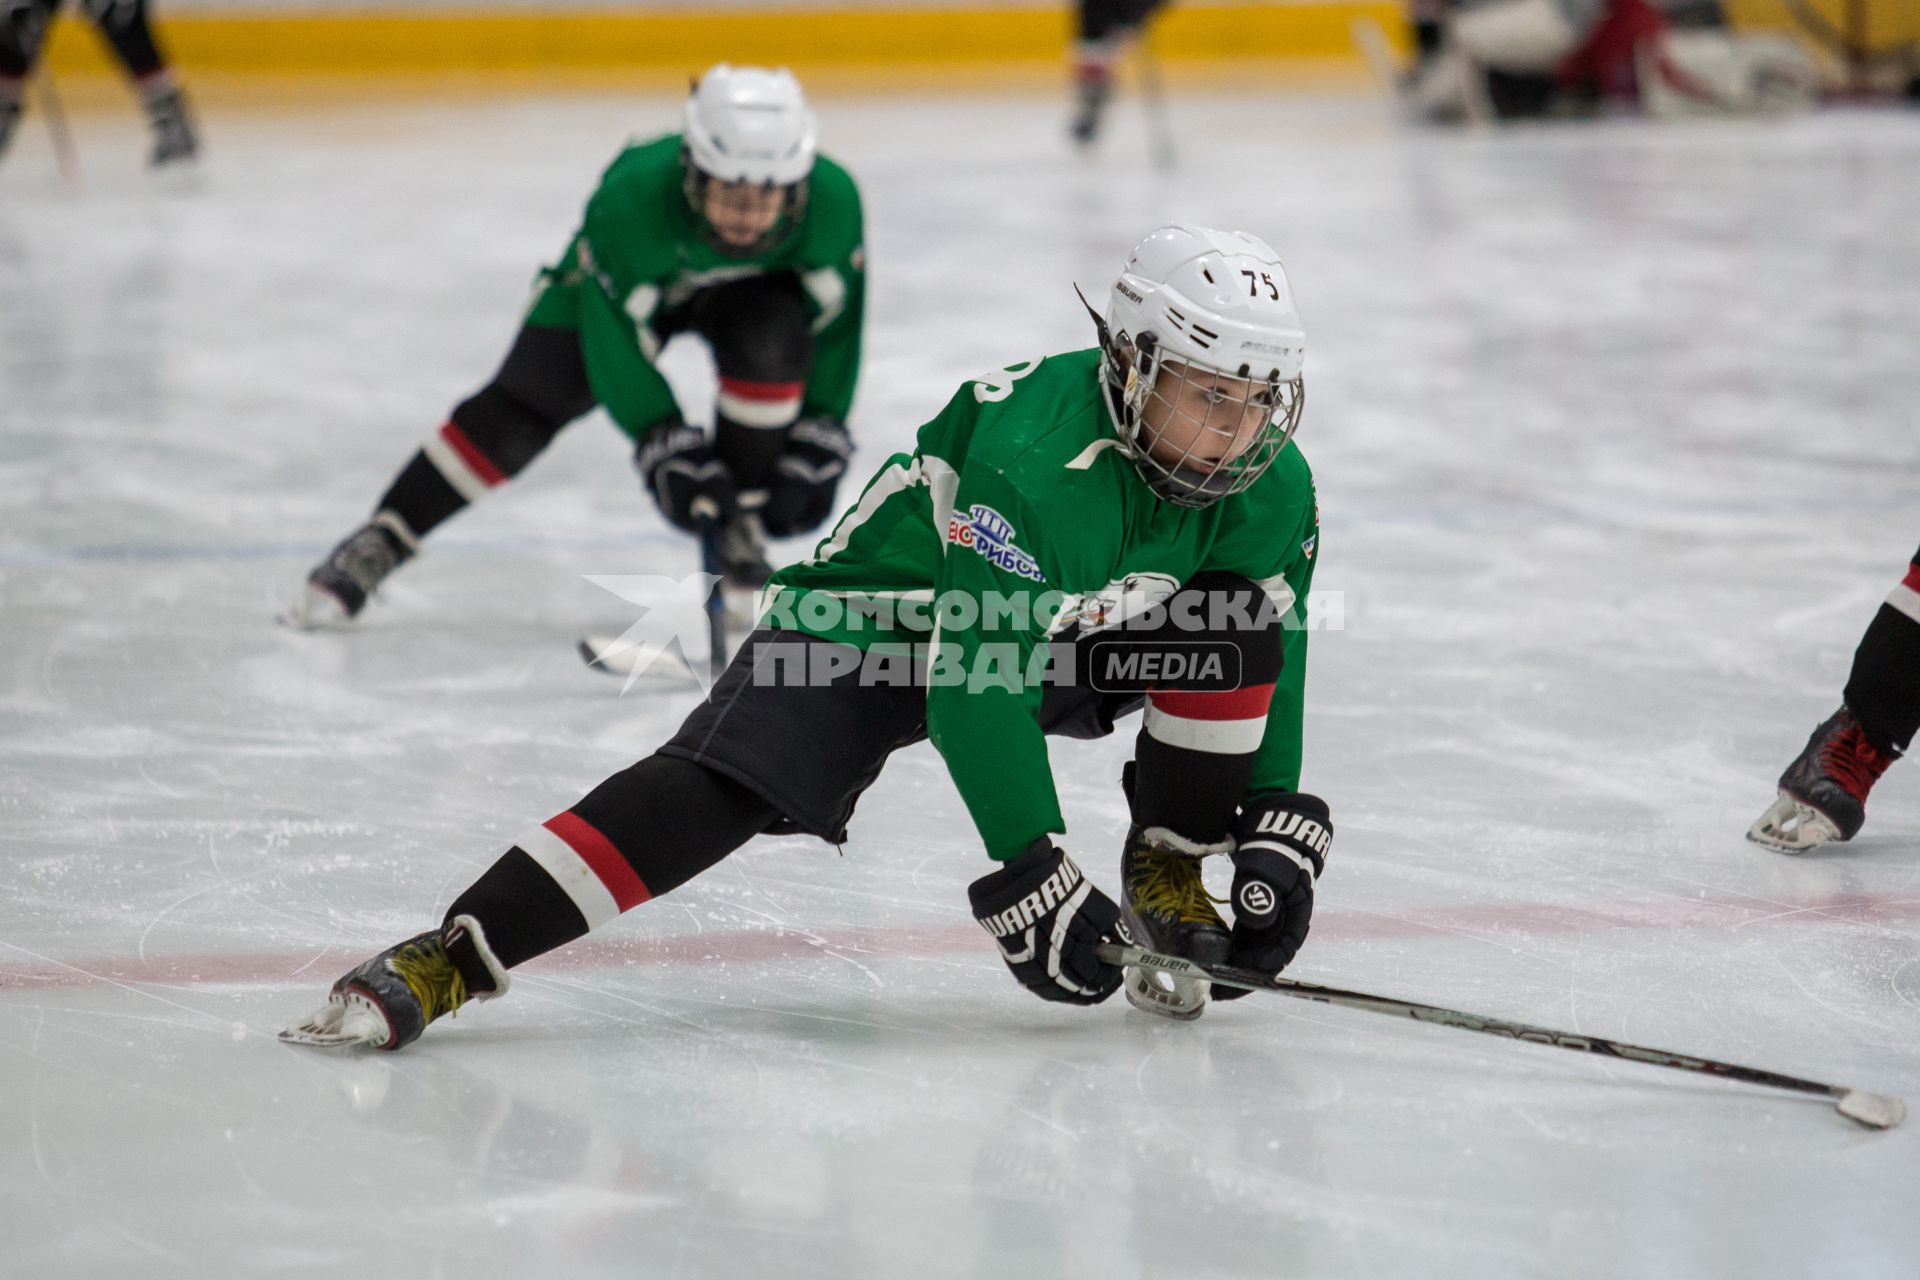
[{"x": 1693, "y": 74}]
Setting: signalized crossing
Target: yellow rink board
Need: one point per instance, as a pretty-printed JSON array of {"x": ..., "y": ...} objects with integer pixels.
[
  {"x": 590, "y": 41},
  {"x": 1886, "y": 24}
]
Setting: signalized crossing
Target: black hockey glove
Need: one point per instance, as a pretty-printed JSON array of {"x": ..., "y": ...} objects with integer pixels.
[
  {"x": 806, "y": 476},
  {"x": 685, "y": 476},
  {"x": 1048, "y": 919},
  {"x": 1280, "y": 849}
]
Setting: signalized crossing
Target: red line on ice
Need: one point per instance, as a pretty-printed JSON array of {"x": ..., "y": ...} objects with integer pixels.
[{"x": 757, "y": 946}]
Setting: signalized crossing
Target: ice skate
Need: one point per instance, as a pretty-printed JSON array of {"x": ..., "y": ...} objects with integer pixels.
[
  {"x": 742, "y": 549},
  {"x": 339, "y": 586},
  {"x": 1169, "y": 908},
  {"x": 174, "y": 139},
  {"x": 1090, "y": 106},
  {"x": 388, "y": 1001},
  {"x": 1823, "y": 793},
  {"x": 9, "y": 122}
]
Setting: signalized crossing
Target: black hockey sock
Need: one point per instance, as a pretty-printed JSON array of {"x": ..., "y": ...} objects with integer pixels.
[
  {"x": 762, "y": 348},
  {"x": 23, "y": 32},
  {"x": 1883, "y": 690},
  {"x": 493, "y": 434},
  {"x": 643, "y": 832},
  {"x": 751, "y": 452},
  {"x": 1193, "y": 760},
  {"x": 421, "y": 496},
  {"x": 133, "y": 43}
]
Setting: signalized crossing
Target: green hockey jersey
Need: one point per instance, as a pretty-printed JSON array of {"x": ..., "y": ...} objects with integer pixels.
[
  {"x": 1017, "y": 496},
  {"x": 639, "y": 257}
]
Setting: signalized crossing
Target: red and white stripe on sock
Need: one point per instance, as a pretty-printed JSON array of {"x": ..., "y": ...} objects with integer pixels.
[
  {"x": 1906, "y": 597},
  {"x": 466, "y": 468},
  {"x": 1227, "y": 723},
  {"x": 586, "y": 866},
  {"x": 760, "y": 404},
  {"x": 1093, "y": 60}
]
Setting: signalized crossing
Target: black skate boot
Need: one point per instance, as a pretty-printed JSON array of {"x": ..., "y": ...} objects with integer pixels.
[
  {"x": 742, "y": 547},
  {"x": 9, "y": 122},
  {"x": 1171, "y": 912},
  {"x": 174, "y": 140},
  {"x": 1091, "y": 95},
  {"x": 1823, "y": 793},
  {"x": 339, "y": 586},
  {"x": 388, "y": 1001}
]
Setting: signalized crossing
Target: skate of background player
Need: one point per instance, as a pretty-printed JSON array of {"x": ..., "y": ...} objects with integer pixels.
[{"x": 1604, "y": 530}]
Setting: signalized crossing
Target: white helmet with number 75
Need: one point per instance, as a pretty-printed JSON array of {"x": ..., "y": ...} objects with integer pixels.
[{"x": 1202, "y": 357}]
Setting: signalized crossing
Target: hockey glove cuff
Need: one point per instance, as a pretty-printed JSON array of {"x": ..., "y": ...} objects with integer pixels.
[
  {"x": 1049, "y": 921},
  {"x": 1280, "y": 849},
  {"x": 807, "y": 476},
  {"x": 686, "y": 477}
]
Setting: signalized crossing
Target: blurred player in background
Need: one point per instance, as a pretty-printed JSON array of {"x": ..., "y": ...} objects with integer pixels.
[
  {"x": 23, "y": 35},
  {"x": 1823, "y": 793},
  {"x": 1484, "y": 60},
  {"x": 1103, "y": 30},
  {"x": 736, "y": 230},
  {"x": 1056, "y": 522}
]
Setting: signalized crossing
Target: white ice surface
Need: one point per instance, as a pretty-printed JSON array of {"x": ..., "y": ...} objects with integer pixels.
[{"x": 1617, "y": 446}]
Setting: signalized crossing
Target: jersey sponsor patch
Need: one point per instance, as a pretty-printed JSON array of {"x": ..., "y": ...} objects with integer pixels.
[{"x": 989, "y": 535}]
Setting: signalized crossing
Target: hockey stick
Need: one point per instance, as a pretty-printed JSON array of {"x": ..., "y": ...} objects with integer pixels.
[
  {"x": 1153, "y": 99},
  {"x": 65, "y": 154},
  {"x": 621, "y": 656},
  {"x": 1874, "y": 1111},
  {"x": 1377, "y": 50},
  {"x": 716, "y": 605}
]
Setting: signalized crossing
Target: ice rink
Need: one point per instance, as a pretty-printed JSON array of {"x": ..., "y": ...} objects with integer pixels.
[{"x": 1617, "y": 448}]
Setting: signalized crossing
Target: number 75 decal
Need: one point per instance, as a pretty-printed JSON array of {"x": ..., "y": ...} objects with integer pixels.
[{"x": 1255, "y": 280}]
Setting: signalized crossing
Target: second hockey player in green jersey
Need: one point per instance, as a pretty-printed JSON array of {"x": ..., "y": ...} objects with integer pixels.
[
  {"x": 1072, "y": 539},
  {"x": 735, "y": 230}
]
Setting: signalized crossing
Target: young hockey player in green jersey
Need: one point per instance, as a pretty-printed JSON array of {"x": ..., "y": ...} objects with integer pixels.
[
  {"x": 734, "y": 229},
  {"x": 1073, "y": 538}
]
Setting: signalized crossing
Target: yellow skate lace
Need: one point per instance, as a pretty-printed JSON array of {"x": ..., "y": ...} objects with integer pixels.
[
  {"x": 432, "y": 976},
  {"x": 1168, "y": 884}
]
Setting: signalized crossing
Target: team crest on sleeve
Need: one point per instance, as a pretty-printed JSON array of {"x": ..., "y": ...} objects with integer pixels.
[{"x": 989, "y": 535}]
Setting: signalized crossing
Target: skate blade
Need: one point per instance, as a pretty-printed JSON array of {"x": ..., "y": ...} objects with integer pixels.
[
  {"x": 1792, "y": 827},
  {"x": 316, "y": 610},
  {"x": 341, "y": 1024},
  {"x": 1164, "y": 995},
  {"x": 617, "y": 657}
]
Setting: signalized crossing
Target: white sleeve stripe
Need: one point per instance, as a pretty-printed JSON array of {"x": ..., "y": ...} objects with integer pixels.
[
  {"x": 1300, "y": 860},
  {"x": 893, "y": 478},
  {"x": 572, "y": 873},
  {"x": 1905, "y": 600},
  {"x": 1219, "y": 737},
  {"x": 829, "y": 294},
  {"x": 1278, "y": 590}
]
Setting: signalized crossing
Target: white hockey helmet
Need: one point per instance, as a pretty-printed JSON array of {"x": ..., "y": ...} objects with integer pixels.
[
  {"x": 1194, "y": 305},
  {"x": 747, "y": 124}
]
